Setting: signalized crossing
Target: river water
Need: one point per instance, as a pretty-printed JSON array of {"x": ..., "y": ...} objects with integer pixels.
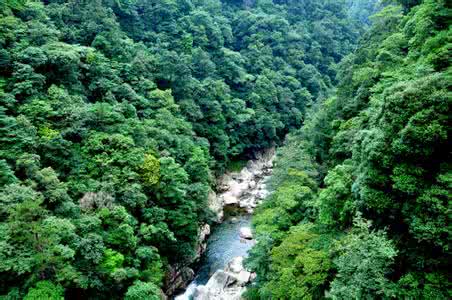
[{"x": 223, "y": 245}]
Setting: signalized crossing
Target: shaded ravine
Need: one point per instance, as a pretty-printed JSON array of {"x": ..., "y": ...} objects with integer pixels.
[{"x": 241, "y": 193}]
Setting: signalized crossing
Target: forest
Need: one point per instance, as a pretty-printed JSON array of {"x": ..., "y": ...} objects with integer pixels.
[
  {"x": 117, "y": 116},
  {"x": 362, "y": 192}
]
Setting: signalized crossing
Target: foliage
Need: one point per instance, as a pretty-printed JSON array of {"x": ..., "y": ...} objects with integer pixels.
[
  {"x": 142, "y": 290},
  {"x": 115, "y": 116},
  {"x": 45, "y": 290},
  {"x": 377, "y": 151},
  {"x": 363, "y": 260},
  {"x": 151, "y": 169},
  {"x": 299, "y": 270}
]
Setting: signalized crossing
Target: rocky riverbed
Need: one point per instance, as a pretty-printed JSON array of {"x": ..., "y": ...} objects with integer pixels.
[
  {"x": 222, "y": 274},
  {"x": 244, "y": 189},
  {"x": 227, "y": 284}
]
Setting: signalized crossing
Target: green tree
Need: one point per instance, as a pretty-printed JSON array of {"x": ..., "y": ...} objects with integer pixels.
[
  {"x": 299, "y": 270},
  {"x": 151, "y": 169},
  {"x": 143, "y": 290},
  {"x": 45, "y": 290},
  {"x": 336, "y": 203},
  {"x": 363, "y": 261}
]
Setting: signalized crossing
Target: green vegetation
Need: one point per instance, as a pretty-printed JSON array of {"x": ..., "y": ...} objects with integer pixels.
[
  {"x": 236, "y": 165},
  {"x": 361, "y": 202},
  {"x": 115, "y": 116}
]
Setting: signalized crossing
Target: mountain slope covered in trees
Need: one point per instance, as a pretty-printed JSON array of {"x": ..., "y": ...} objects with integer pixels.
[
  {"x": 362, "y": 193},
  {"x": 116, "y": 114}
]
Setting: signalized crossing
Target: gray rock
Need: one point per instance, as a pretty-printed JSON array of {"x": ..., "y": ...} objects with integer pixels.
[
  {"x": 219, "y": 281},
  {"x": 252, "y": 184},
  {"x": 237, "y": 188},
  {"x": 243, "y": 277},
  {"x": 230, "y": 199},
  {"x": 226, "y": 285},
  {"x": 178, "y": 279},
  {"x": 215, "y": 204},
  {"x": 235, "y": 265},
  {"x": 204, "y": 232},
  {"x": 244, "y": 203},
  {"x": 202, "y": 247},
  {"x": 245, "y": 174},
  {"x": 246, "y": 233},
  {"x": 201, "y": 293},
  {"x": 163, "y": 296}
]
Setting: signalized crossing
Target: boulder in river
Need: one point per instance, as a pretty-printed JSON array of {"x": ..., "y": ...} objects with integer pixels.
[
  {"x": 234, "y": 220},
  {"x": 220, "y": 280},
  {"x": 237, "y": 188},
  {"x": 235, "y": 265},
  {"x": 229, "y": 199},
  {"x": 245, "y": 175},
  {"x": 236, "y": 268},
  {"x": 243, "y": 277},
  {"x": 201, "y": 293},
  {"x": 227, "y": 284},
  {"x": 252, "y": 184},
  {"x": 215, "y": 287},
  {"x": 245, "y": 232}
]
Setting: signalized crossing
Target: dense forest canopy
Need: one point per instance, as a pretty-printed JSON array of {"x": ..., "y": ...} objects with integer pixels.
[
  {"x": 362, "y": 192},
  {"x": 117, "y": 115}
]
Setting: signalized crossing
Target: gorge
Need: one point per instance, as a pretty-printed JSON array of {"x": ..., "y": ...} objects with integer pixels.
[{"x": 118, "y": 118}]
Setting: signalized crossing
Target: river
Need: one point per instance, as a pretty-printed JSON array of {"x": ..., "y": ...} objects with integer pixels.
[
  {"x": 222, "y": 246},
  {"x": 242, "y": 191}
]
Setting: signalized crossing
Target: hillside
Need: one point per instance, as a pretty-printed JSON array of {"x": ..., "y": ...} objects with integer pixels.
[
  {"x": 361, "y": 202},
  {"x": 116, "y": 116}
]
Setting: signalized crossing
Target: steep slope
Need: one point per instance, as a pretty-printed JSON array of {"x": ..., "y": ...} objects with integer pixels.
[{"x": 361, "y": 202}]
